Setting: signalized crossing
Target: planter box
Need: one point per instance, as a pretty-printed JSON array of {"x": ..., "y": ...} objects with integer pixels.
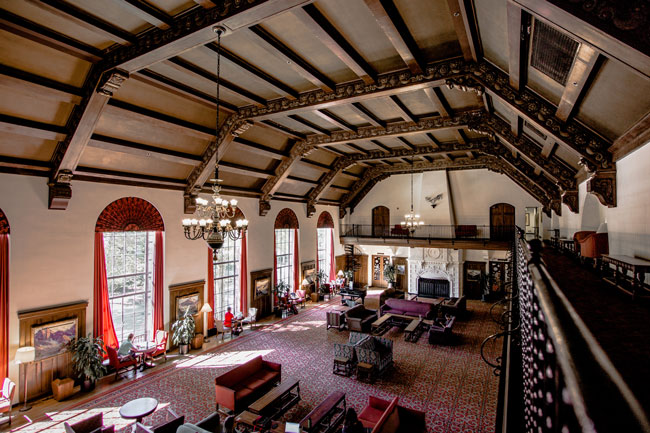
[
  {"x": 63, "y": 388},
  {"x": 197, "y": 341}
]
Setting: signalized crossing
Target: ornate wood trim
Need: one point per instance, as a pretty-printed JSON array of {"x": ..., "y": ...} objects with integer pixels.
[
  {"x": 286, "y": 219},
  {"x": 570, "y": 198},
  {"x": 182, "y": 289},
  {"x": 603, "y": 185},
  {"x": 4, "y": 224},
  {"x": 632, "y": 139},
  {"x": 324, "y": 183},
  {"x": 325, "y": 221},
  {"x": 129, "y": 214}
]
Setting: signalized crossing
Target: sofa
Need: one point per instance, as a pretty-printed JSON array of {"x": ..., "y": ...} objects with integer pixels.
[
  {"x": 440, "y": 331},
  {"x": 384, "y": 416},
  {"x": 359, "y": 318},
  {"x": 376, "y": 298},
  {"x": 377, "y": 351},
  {"x": 409, "y": 308},
  {"x": 244, "y": 384},
  {"x": 454, "y": 306}
]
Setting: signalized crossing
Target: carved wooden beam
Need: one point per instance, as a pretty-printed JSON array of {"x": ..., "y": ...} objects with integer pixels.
[
  {"x": 145, "y": 11},
  {"x": 518, "y": 36},
  {"x": 312, "y": 198},
  {"x": 462, "y": 24},
  {"x": 590, "y": 146},
  {"x": 81, "y": 124},
  {"x": 585, "y": 66},
  {"x": 603, "y": 185},
  {"x": 632, "y": 139},
  {"x": 388, "y": 84}
]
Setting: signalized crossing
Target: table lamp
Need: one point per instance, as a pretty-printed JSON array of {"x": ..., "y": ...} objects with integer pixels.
[
  {"x": 205, "y": 309},
  {"x": 25, "y": 355},
  {"x": 305, "y": 283}
]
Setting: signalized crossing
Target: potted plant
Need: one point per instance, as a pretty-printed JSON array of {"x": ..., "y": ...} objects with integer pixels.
[
  {"x": 389, "y": 274},
  {"x": 348, "y": 275},
  {"x": 183, "y": 332},
  {"x": 87, "y": 358},
  {"x": 281, "y": 291}
]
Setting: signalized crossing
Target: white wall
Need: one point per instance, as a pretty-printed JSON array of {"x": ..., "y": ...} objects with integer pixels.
[{"x": 51, "y": 252}]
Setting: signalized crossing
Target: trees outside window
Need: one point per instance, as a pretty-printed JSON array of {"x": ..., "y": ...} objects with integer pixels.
[
  {"x": 284, "y": 247},
  {"x": 227, "y": 291},
  {"x": 325, "y": 251}
]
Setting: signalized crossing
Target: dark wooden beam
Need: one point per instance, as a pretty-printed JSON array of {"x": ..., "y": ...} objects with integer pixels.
[
  {"x": 403, "y": 111},
  {"x": 190, "y": 68},
  {"x": 335, "y": 120},
  {"x": 24, "y": 164},
  {"x": 89, "y": 173},
  {"x": 334, "y": 40},
  {"x": 131, "y": 148},
  {"x": 381, "y": 145},
  {"x": 407, "y": 143},
  {"x": 315, "y": 164},
  {"x": 460, "y": 136},
  {"x": 274, "y": 46},
  {"x": 438, "y": 100},
  {"x": 273, "y": 83},
  {"x": 37, "y": 86},
  {"x": 261, "y": 149},
  {"x": 84, "y": 19},
  {"x": 244, "y": 170},
  {"x": 35, "y": 32},
  {"x": 461, "y": 20},
  {"x": 392, "y": 24},
  {"x": 283, "y": 129},
  {"x": 584, "y": 68},
  {"x": 397, "y": 153},
  {"x": 324, "y": 183},
  {"x": 146, "y": 12},
  {"x": 302, "y": 180},
  {"x": 368, "y": 115},
  {"x": 518, "y": 36},
  {"x": 336, "y": 151},
  {"x": 359, "y": 149},
  {"x": 635, "y": 137},
  {"x": 431, "y": 140},
  {"x": 310, "y": 125},
  {"x": 31, "y": 128}
]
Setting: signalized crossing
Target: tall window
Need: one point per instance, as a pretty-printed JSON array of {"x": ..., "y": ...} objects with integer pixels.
[
  {"x": 284, "y": 239},
  {"x": 129, "y": 272},
  {"x": 324, "y": 251},
  {"x": 226, "y": 278}
]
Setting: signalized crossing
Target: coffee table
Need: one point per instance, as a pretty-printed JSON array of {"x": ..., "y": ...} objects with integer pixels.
[
  {"x": 278, "y": 400},
  {"x": 147, "y": 349},
  {"x": 139, "y": 408}
]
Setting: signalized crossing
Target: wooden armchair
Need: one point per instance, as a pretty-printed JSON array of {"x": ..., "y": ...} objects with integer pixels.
[
  {"x": 161, "y": 344},
  {"x": 120, "y": 364},
  {"x": 593, "y": 245},
  {"x": 94, "y": 423},
  {"x": 8, "y": 389}
]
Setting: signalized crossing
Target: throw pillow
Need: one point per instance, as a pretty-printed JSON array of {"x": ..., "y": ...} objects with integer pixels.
[{"x": 350, "y": 303}]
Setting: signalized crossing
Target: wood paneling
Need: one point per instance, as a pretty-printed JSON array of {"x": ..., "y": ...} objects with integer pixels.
[
  {"x": 361, "y": 276},
  {"x": 182, "y": 289},
  {"x": 41, "y": 373},
  {"x": 401, "y": 280},
  {"x": 471, "y": 284},
  {"x": 262, "y": 303}
]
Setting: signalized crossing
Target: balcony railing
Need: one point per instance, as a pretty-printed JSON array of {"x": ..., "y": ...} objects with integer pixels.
[{"x": 426, "y": 232}]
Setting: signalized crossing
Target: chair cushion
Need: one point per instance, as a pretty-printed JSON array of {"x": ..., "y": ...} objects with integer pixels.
[
  {"x": 370, "y": 414},
  {"x": 242, "y": 393}
]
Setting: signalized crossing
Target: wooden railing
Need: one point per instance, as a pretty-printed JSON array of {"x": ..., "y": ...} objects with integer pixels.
[{"x": 554, "y": 375}]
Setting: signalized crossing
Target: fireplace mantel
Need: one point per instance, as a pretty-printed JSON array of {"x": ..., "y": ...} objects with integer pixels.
[{"x": 434, "y": 263}]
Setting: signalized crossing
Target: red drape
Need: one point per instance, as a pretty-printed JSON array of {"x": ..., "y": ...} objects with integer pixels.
[
  {"x": 211, "y": 287},
  {"x": 296, "y": 261},
  {"x": 332, "y": 263},
  {"x": 158, "y": 287},
  {"x": 243, "y": 278},
  {"x": 102, "y": 318},
  {"x": 275, "y": 267},
  {"x": 4, "y": 306}
]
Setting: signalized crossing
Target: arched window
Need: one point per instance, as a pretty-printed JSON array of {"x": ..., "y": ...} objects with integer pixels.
[
  {"x": 287, "y": 264},
  {"x": 129, "y": 289},
  {"x": 4, "y": 295},
  {"x": 325, "y": 252},
  {"x": 228, "y": 276}
]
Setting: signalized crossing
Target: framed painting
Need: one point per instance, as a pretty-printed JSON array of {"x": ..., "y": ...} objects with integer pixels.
[
  {"x": 309, "y": 270},
  {"x": 262, "y": 283},
  {"x": 51, "y": 339},
  {"x": 400, "y": 269},
  {"x": 190, "y": 301},
  {"x": 473, "y": 275}
]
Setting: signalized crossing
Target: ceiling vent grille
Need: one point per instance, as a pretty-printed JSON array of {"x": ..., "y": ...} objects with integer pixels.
[
  {"x": 552, "y": 52},
  {"x": 537, "y": 132}
]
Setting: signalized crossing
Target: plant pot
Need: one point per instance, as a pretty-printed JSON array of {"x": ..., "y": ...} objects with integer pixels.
[
  {"x": 183, "y": 349},
  {"x": 87, "y": 385},
  {"x": 314, "y": 297}
]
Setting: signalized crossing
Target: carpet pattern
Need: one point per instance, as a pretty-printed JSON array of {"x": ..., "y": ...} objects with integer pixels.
[{"x": 451, "y": 384}]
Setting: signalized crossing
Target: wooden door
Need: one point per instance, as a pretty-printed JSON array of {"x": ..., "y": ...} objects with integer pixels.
[
  {"x": 380, "y": 221},
  {"x": 473, "y": 278},
  {"x": 378, "y": 264},
  {"x": 502, "y": 222}
]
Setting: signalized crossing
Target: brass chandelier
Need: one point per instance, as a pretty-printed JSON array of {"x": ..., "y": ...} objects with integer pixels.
[
  {"x": 213, "y": 221},
  {"x": 412, "y": 220}
]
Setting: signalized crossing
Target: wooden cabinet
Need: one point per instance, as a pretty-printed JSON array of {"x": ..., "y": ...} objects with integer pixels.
[{"x": 473, "y": 279}]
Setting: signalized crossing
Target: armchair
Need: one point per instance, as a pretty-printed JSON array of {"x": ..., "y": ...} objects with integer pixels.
[
  {"x": 298, "y": 297},
  {"x": 120, "y": 364},
  {"x": 161, "y": 344},
  {"x": 377, "y": 351},
  {"x": 93, "y": 424},
  {"x": 251, "y": 319},
  {"x": 8, "y": 389},
  {"x": 359, "y": 318},
  {"x": 593, "y": 245},
  {"x": 579, "y": 236},
  {"x": 440, "y": 332},
  {"x": 346, "y": 350}
]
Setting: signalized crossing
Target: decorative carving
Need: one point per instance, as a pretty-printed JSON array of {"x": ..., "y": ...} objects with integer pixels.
[
  {"x": 556, "y": 206},
  {"x": 325, "y": 221},
  {"x": 111, "y": 81},
  {"x": 311, "y": 209},
  {"x": 264, "y": 207},
  {"x": 4, "y": 223},
  {"x": 570, "y": 198},
  {"x": 547, "y": 211},
  {"x": 342, "y": 212},
  {"x": 315, "y": 194},
  {"x": 394, "y": 80},
  {"x": 189, "y": 203},
  {"x": 271, "y": 185},
  {"x": 591, "y": 146},
  {"x": 603, "y": 185},
  {"x": 60, "y": 191},
  {"x": 129, "y": 214},
  {"x": 464, "y": 84},
  {"x": 286, "y": 219},
  {"x": 241, "y": 127}
]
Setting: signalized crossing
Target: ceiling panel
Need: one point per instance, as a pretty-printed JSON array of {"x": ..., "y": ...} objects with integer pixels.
[
  {"x": 459, "y": 100},
  {"x": 238, "y": 155},
  {"x": 294, "y": 187},
  {"x": 349, "y": 115},
  {"x": 493, "y": 30},
  {"x": 316, "y": 119},
  {"x": 110, "y": 11},
  {"x": 418, "y": 103},
  {"x": 544, "y": 85},
  {"x": 568, "y": 155},
  {"x": 234, "y": 179},
  {"x": 334, "y": 195},
  {"x": 20, "y": 146},
  {"x": 383, "y": 108},
  {"x": 266, "y": 136},
  {"x": 444, "y": 135},
  {"x": 105, "y": 159},
  {"x": 32, "y": 107},
  {"x": 173, "y": 7},
  {"x": 301, "y": 169}
]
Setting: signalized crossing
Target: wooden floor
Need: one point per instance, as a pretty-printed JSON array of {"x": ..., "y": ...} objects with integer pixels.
[{"x": 47, "y": 405}]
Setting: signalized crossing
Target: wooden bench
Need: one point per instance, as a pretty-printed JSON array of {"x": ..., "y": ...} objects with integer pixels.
[
  {"x": 327, "y": 416},
  {"x": 411, "y": 332}
]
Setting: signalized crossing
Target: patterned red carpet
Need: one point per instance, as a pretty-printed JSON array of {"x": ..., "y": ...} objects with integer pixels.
[{"x": 451, "y": 384}]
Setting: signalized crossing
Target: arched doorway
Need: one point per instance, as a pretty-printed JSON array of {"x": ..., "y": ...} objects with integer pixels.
[
  {"x": 502, "y": 221},
  {"x": 380, "y": 221}
]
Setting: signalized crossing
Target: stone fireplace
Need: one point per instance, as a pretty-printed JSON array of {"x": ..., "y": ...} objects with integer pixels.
[{"x": 434, "y": 264}]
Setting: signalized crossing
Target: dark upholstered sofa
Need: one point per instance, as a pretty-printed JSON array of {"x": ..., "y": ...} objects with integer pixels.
[
  {"x": 241, "y": 386},
  {"x": 409, "y": 308},
  {"x": 384, "y": 416},
  {"x": 359, "y": 318}
]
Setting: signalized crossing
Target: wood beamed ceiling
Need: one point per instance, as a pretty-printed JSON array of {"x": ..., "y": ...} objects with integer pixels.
[{"x": 320, "y": 100}]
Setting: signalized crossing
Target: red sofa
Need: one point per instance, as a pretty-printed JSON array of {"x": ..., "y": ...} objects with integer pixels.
[
  {"x": 384, "y": 416},
  {"x": 242, "y": 385},
  {"x": 409, "y": 308}
]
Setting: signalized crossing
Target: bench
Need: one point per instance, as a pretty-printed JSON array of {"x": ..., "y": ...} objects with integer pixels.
[{"x": 327, "y": 416}]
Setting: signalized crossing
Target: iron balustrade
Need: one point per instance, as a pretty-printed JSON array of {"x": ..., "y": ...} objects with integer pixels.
[{"x": 420, "y": 232}]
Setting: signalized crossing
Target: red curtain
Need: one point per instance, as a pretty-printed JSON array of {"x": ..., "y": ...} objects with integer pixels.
[
  {"x": 296, "y": 261},
  {"x": 275, "y": 267},
  {"x": 102, "y": 318},
  {"x": 4, "y": 306},
  {"x": 332, "y": 262},
  {"x": 243, "y": 278},
  {"x": 211, "y": 287},
  {"x": 158, "y": 287}
]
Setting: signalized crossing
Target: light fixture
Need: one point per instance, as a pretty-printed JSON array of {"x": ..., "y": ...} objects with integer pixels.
[
  {"x": 412, "y": 220},
  {"x": 205, "y": 310},
  {"x": 214, "y": 221},
  {"x": 25, "y": 355}
]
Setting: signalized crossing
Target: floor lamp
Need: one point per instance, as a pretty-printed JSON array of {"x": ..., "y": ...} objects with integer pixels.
[
  {"x": 205, "y": 309},
  {"x": 25, "y": 355}
]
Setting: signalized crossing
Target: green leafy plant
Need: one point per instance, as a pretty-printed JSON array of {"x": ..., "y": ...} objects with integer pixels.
[
  {"x": 389, "y": 273},
  {"x": 321, "y": 276},
  {"x": 282, "y": 289},
  {"x": 349, "y": 274},
  {"x": 88, "y": 356},
  {"x": 183, "y": 329}
]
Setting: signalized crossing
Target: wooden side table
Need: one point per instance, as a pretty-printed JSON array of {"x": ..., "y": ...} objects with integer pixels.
[
  {"x": 342, "y": 366},
  {"x": 366, "y": 372}
]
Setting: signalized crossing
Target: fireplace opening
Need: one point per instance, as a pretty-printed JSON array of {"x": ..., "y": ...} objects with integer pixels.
[{"x": 433, "y": 288}]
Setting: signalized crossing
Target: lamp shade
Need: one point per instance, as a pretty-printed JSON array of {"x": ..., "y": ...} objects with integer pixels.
[
  {"x": 305, "y": 282},
  {"x": 340, "y": 273},
  {"x": 206, "y": 308},
  {"x": 25, "y": 354},
  {"x": 602, "y": 228}
]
